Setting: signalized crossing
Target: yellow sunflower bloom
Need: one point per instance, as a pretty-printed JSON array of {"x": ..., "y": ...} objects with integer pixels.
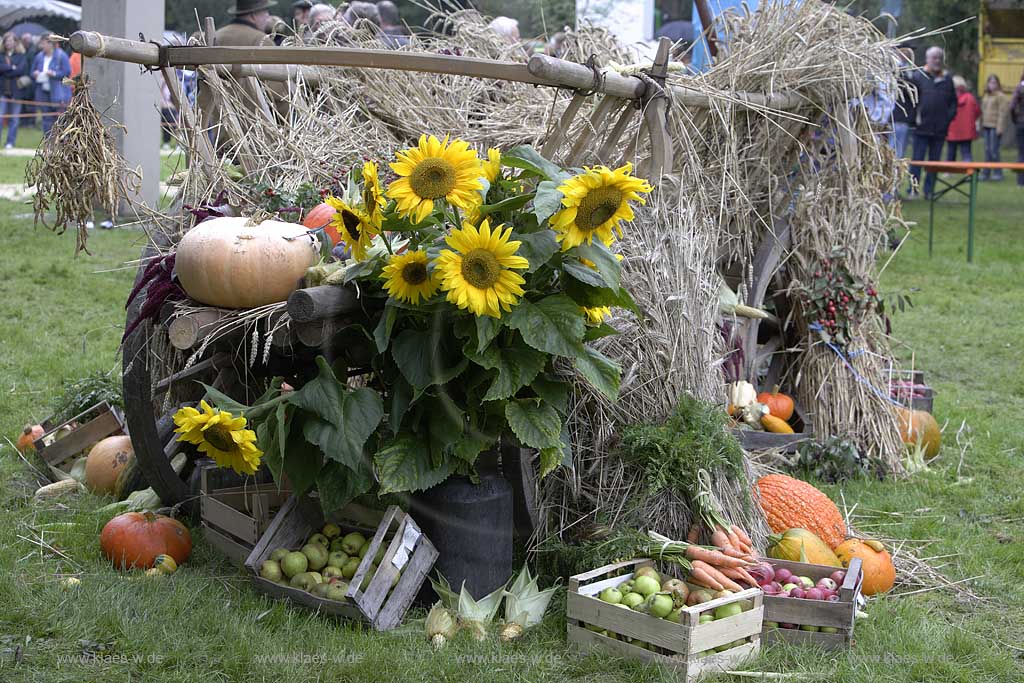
[
  {"x": 596, "y": 202},
  {"x": 492, "y": 167},
  {"x": 479, "y": 276},
  {"x": 408, "y": 278},
  {"x": 373, "y": 194},
  {"x": 597, "y": 314},
  {"x": 354, "y": 226},
  {"x": 221, "y": 436},
  {"x": 434, "y": 170}
]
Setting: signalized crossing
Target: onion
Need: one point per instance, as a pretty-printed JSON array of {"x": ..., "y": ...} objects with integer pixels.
[
  {"x": 796, "y": 592},
  {"x": 813, "y": 594},
  {"x": 762, "y": 572},
  {"x": 783, "y": 575},
  {"x": 772, "y": 588}
]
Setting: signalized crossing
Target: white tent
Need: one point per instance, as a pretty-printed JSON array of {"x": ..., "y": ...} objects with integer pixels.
[{"x": 13, "y": 11}]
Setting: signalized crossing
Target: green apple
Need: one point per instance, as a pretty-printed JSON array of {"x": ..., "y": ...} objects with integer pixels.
[
  {"x": 646, "y": 586},
  {"x": 706, "y": 618},
  {"x": 279, "y": 554},
  {"x": 808, "y": 627},
  {"x": 728, "y": 610},
  {"x": 771, "y": 624},
  {"x": 335, "y": 546},
  {"x": 318, "y": 577},
  {"x": 592, "y": 627},
  {"x": 828, "y": 629},
  {"x": 611, "y": 595},
  {"x": 331, "y": 530},
  {"x": 352, "y": 542},
  {"x": 674, "y": 616},
  {"x": 626, "y": 586},
  {"x": 271, "y": 570},
  {"x": 631, "y": 600},
  {"x": 337, "y": 591},
  {"x": 316, "y": 554},
  {"x": 348, "y": 570},
  {"x": 659, "y": 605},
  {"x": 337, "y": 559},
  {"x": 320, "y": 590},
  {"x": 648, "y": 571},
  {"x": 332, "y": 572},
  {"x": 321, "y": 539},
  {"x": 304, "y": 581},
  {"x": 806, "y": 581},
  {"x": 294, "y": 563},
  {"x": 364, "y": 548}
]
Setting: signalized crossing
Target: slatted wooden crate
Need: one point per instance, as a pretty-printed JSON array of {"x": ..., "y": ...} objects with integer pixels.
[
  {"x": 681, "y": 645},
  {"x": 90, "y": 426},
  {"x": 839, "y": 615},
  {"x": 235, "y": 518},
  {"x": 925, "y": 403},
  {"x": 408, "y": 554}
]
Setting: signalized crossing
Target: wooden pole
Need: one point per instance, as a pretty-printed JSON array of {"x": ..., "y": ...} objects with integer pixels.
[
  {"x": 318, "y": 303},
  {"x": 707, "y": 23}
]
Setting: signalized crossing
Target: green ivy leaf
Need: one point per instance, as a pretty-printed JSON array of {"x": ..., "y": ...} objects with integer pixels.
[
  {"x": 553, "y": 325},
  {"x": 607, "y": 265},
  {"x": 420, "y": 357},
  {"x": 338, "y": 485},
  {"x": 535, "y": 423},
  {"x": 382, "y": 333},
  {"x": 303, "y": 460},
  {"x": 600, "y": 372},
  {"x": 547, "y": 201},
  {"x": 536, "y": 247},
  {"x": 529, "y": 159},
  {"x": 517, "y": 366},
  {"x": 403, "y": 464}
]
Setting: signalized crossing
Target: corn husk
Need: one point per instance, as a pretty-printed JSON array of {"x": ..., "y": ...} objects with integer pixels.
[
  {"x": 465, "y": 605},
  {"x": 441, "y": 625},
  {"x": 525, "y": 603}
]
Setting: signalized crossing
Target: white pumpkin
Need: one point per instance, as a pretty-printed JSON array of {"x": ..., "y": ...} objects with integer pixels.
[{"x": 229, "y": 263}]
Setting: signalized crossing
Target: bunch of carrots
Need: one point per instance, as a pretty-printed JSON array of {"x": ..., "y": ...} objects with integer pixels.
[{"x": 724, "y": 566}]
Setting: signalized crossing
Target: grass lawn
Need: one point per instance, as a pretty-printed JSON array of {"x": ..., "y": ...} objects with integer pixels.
[{"x": 62, "y": 319}]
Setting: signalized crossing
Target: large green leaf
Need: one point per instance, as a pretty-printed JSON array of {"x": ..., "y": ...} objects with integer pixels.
[
  {"x": 303, "y": 460},
  {"x": 547, "y": 201},
  {"x": 517, "y": 366},
  {"x": 403, "y": 464},
  {"x": 607, "y": 265},
  {"x": 421, "y": 358},
  {"x": 487, "y": 328},
  {"x": 591, "y": 296},
  {"x": 553, "y": 325},
  {"x": 535, "y": 423},
  {"x": 583, "y": 273},
  {"x": 599, "y": 332},
  {"x": 473, "y": 443},
  {"x": 382, "y": 333},
  {"x": 529, "y": 159},
  {"x": 338, "y": 485},
  {"x": 600, "y": 371},
  {"x": 550, "y": 458},
  {"x": 401, "y": 397},
  {"x": 554, "y": 392},
  {"x": 272, "y": 435},
  {"x": 509, "y": 204},
  {"x": 536, "y": 247},
  {"x": 445, "y": 424}
]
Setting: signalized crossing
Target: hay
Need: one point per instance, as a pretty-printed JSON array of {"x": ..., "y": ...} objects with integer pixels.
[{"x": 77, "y": 169}]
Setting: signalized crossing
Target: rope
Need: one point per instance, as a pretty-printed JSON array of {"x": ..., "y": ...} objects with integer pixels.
[
  {"x": 856, "y": 375},
  {"x": 599, "y": 77}
]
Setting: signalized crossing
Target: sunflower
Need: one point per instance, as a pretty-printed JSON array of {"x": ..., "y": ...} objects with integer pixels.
[
  {"x": 479, "y": 275},
  {"x": 435, "y": 170},
  {"x": 221, "y": 436},
  {"x": 492, "y": 167},
  {"x": 373, "y": 195},
  {"x": 408, "y": 277},
  {"x": 597, "y": 314},
  {"x": 355, "y": 227},
  {"x": 596, "y": 202}
]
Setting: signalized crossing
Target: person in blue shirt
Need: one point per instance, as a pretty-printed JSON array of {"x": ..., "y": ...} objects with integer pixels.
[
  {"x": 49, "y": 69},
  {"x": 13, "y": 65}
]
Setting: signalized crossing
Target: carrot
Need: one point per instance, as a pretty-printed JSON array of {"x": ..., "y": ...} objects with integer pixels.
[
  {"x": 694, "y": 534},
  {"x": 739, "y": 574},
  {"x": 734, "y": 540},
  {"x": 712, "y": 557},
  {"x": 743, "y": 536},
  {"x": 718, "y": 576},
  {"x": 704, "y": 578},
  {"x": 739, "y": 554},
  {"x": 720, "y": 539}
]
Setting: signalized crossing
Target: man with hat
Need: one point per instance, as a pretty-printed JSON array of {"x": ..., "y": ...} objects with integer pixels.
[{"x": 300, "y": 12}]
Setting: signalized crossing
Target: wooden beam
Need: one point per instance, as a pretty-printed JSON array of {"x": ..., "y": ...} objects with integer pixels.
[
  {"x": 554, "y": 71},
  {"x": 318, "y": 303}
]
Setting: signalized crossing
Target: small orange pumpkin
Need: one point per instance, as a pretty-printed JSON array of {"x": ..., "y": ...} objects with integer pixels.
[
  {"x": 106, "y": 461},
  {"x": 918, "y": 426},
  {"x": 320, "y": 217},
  {"x": 779, "y": 405},
  {"x": 26, "y": 442},
  {"x": 137, "y": 539},
  {"x": 879, "y": 570}
]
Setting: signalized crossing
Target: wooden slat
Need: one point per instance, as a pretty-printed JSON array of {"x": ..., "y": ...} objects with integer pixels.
[
  {"x": 273, "y": 73},
  {"x": 413, "y": 576},
  {"x": 88, "y": 434},
  {"x": 721, "y": 631},
  {"x": 227, "y": 518},
  {"x": 354, "y": 590},
  {"x": 602, "y": 111},
  {"x": 831, "y": 641},
  {"x": 578, "y": 580},
  {"x": 557, "y": 135},
  {"x": 207, "y": 155},
  {"x": 559, "y": 72},
  {"x": 655, "y": 116},
  {"x": 811, "y": 612},
  {"x": 627, "y": 622},
  {"x": 191, "y": 372},
  {"x": 235, "y": 551},
  {"x": 612, "y": 140}
]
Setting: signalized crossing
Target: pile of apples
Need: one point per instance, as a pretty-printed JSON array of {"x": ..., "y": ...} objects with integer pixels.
[
  {"x": 664, "y": 597},
  {"x": 324, "y": 565},
  {"x": 782, "y": 583}
]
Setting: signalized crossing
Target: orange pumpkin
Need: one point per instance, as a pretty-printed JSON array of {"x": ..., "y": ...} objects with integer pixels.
[
  {"x": 136, "y": 539},
  {"x": 918, "y": 426},
  {"x": 779, "y": 405},
  {"x": 879, "y": 571},
  {"x": 320, "y": 217},
  {"x": 789, "y": 503},
  {"x": 106, "y": 461},
  {"x": 26, "y": 442}
]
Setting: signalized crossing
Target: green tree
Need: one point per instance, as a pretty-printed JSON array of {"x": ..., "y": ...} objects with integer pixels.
[{"x": 180, "y": 15}]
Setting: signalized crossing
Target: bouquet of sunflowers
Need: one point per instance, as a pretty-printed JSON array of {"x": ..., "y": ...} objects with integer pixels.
[{"x": 486, "y": 278}]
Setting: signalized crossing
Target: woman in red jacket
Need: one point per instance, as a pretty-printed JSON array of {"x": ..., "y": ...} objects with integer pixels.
[{"x": 964, "y": 127}]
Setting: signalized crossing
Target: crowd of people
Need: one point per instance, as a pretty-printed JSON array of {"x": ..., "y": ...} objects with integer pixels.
[
  {"x": 32, "y": 88},
  {"x": 944, "y": 119}
]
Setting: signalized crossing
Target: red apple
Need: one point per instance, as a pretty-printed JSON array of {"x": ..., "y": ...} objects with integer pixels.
[
  {"x": 796, "y": 592},
  {"x": 813, "y": 594},
  {"x": 783, "y": 575},
  {"x": 838, "y": 576},
  {"x": 826, "y": 584},
  {"x": 787, "y": 625},
  {"x": 832, "y": 598}
]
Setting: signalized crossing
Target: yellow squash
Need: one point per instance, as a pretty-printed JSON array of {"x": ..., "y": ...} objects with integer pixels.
[{"x": 800, "y": 545}]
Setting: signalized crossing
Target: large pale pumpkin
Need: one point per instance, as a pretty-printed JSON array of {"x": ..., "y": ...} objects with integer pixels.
[
  {"x": 106, "y": 461},
  {"x": 228, "y": 263},
  {"x": 790, "y": 503},
  {"x": 879, "y": 570},
  {"x": 918, "y": 426}
]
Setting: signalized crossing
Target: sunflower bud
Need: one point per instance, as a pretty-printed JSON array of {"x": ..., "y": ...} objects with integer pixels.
[{"x": 440, "y": 626}]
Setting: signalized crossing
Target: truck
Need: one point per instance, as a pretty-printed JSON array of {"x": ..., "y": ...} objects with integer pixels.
[{"x": 1001, "y": 42}]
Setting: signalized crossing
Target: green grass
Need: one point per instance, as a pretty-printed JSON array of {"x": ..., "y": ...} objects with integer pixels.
[{"x": 62, "y": 319}]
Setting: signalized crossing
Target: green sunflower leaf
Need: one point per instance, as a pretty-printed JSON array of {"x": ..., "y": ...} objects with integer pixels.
[
  {"x": 302, "y": 460},
  {"x": 421, "y": 358},
  {"x": 599, "y": 332},
  {"x": 529, "y": 159},
  {"x": 583, "y": 273},
  {"x": 535, "y": 423},
  {"x": 487, "y": 328},
  {"x": 382, "y": 333},
  {"x": 403, "y": 464},
  {"x": 600, "y": 371},
  {"x": 554, "y": 392},
  {"x": 401, "y": 397},
  {"x": 607, "y": 265},
  {"x": 547, "y": 201},
  {"x": 509, "y": 204},
  {"x": 553, "y": 325},
  {"x": 272, "y": 435},
  {"x": 591, "y": 296},
  {"x": 338, "y": 485},
  {"x": 536, "y": 247}
]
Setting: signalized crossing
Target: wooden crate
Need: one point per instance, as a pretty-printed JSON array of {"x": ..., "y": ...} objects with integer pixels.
[
  {"x": 838, "y": 615},
  {"x": 677, "y": 645},
  {"x": 94, "y": 424},
  {"x": 408, "y": 551},
  {"x": 925, "y": 403},
  {"x": 754, "y": 440},
  {"x": 234, "y": 518}
]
